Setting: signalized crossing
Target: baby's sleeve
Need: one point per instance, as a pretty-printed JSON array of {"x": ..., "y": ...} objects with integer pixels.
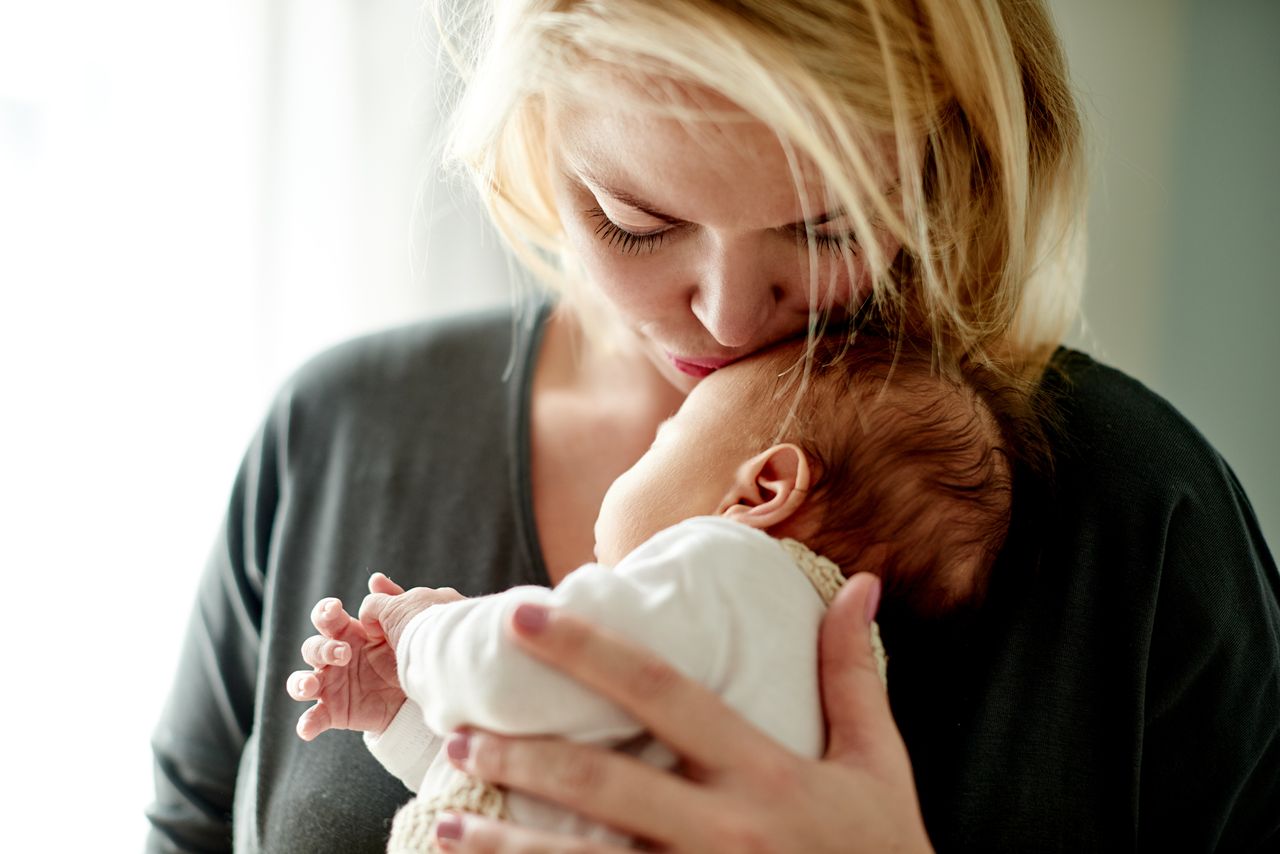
[
  {"x": 406, "y": 747},
  {"x": 460, "y": 663}
]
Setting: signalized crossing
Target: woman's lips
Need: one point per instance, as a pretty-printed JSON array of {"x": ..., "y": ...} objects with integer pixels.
[{"x": 697, "y": 367}]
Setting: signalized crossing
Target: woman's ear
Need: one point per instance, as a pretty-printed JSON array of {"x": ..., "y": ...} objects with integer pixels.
[{"x": 768, "y": 488}]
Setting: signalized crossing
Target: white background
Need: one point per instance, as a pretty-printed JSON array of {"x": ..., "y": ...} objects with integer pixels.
[{"x": 196, "y": 197}]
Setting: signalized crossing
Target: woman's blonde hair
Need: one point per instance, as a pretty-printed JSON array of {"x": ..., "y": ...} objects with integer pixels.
[{"x": 973, "y": 93}]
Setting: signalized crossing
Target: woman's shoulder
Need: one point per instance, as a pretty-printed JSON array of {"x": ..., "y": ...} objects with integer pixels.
[
  {"x": 1107, "y": 425},
  {"x": 423, "y": 369},
  {"x": 1138, "y": 493},
  {"x": 459, "y": 381},
  {"x": 455, "y": 349}
]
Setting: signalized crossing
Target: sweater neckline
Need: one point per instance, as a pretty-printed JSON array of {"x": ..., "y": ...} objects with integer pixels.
[{"x": 528, "y": 325}]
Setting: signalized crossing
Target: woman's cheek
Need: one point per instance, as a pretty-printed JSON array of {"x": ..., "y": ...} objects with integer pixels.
[
  {"x": 843, "y": 282},
  {"x": 639, "y": 286}
]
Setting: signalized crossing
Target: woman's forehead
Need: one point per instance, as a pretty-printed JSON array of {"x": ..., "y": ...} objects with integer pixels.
[
  {"x": 700, "y": 158},
  {"x": 727, "y": 171}
]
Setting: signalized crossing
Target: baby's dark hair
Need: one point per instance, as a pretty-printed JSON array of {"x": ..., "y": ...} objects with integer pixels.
[{"x": 912, "y": 478}]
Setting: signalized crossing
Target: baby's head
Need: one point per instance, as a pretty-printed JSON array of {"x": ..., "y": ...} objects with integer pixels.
[{"x": 882, "y": 462}]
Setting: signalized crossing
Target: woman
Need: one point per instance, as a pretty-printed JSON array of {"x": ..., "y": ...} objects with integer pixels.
[{"x": 698, "y": 180}]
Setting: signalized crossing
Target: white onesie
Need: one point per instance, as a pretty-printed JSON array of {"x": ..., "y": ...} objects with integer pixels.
[{"x": 726, "y": 604}]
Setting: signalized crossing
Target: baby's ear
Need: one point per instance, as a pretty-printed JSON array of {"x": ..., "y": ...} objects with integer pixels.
[{"x": 768, "y": 488}]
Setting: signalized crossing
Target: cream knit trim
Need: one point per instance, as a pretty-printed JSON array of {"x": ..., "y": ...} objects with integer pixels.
[
  {"x": 413, "y": 830},
  {"x": 827, "y": 579}
]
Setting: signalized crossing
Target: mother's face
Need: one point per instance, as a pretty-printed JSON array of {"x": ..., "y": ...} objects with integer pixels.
[{"x": 696, "y": 233}]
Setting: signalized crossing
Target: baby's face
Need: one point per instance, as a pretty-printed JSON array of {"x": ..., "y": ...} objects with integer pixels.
[{"x": 687, "y": 471}]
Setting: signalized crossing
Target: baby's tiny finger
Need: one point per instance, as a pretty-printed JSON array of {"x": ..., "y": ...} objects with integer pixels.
[
  {"x": 311, "y": 650},
  {"x": 319, "y": 651},
  {"x": 371, "y": 613},
  {"x": 313, "y": 721},
  {"x": 328, "y": 616},
  {"x": 303, "y": 685},
  {"x": 380, "y": 583}
]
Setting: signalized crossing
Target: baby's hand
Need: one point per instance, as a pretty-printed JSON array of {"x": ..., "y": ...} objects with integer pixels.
[
  {"x": 386, "y": 615},
  {"x": 354, "y": 678}
]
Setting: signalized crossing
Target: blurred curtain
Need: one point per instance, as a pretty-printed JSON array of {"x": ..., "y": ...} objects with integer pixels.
[
  {"x": 194, "y": 198},
  {"x": 359, "y": 227}
]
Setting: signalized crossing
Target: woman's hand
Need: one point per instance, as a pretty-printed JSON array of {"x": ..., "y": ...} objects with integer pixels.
[
  {"x": 741, "y": 791},
  {"x": 353, "y": 678}
]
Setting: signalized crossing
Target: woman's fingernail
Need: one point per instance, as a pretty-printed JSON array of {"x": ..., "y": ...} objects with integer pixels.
[
  {"x": 873, "y": 600},
  {"x": 449, "y": 827},
  {"x": 459, "y": 745},
  {"x": 531, "y": 619}
]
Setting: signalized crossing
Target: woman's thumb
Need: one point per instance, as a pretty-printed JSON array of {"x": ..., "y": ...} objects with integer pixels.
[{"x": 853, "y": 693}]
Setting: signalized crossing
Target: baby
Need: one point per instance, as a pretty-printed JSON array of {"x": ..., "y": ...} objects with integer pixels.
[{"x": 719, "y": 549}]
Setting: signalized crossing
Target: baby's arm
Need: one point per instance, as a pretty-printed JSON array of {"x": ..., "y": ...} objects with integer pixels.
[
  {"x": 406, "y": 747},
  {"x": 354, "y": 681},
  {"x": 460, "y": 664}
]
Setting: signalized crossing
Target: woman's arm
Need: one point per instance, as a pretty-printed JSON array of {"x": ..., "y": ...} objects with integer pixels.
[
  {"x": 205, "y": 723},
  {"x": 742, "y": 791}
]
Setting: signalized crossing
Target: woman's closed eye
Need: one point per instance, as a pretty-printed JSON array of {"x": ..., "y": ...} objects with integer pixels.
[
  {"x": 629, "y": 242},
  {"x": 835, "y": 242},
  {"x": 625, "y": 241}
]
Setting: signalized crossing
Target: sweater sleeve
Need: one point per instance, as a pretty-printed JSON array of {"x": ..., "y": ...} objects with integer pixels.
[
  {"x": 406, "y": 747},
  {"x": 209, "y": 713},
  {"x": 459, "y": 662},
  {"x": 1213, "y": 679}
]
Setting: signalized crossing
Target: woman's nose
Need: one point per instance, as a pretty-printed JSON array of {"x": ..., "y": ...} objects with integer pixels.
[{"x": 736, "y": 298}]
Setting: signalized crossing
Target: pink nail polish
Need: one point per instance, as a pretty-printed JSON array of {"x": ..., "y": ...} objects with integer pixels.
[
  {"x": 873, "y": 600},
  {"x": 531, "y": 619},
  {"x": 459, "y": 745},
  {"x": 449, "y": 827}
]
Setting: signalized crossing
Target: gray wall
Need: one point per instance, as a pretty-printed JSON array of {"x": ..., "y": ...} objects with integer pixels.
[{"x": 1183, "y": 99}]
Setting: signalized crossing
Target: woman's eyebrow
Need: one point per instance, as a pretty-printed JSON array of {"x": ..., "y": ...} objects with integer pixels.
[{"x": 629, "y": 199}]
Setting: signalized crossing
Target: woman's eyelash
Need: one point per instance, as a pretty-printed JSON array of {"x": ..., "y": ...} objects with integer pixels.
[
  {"x": 629, "y": 243},
  {"x": 621, "y": 239},
  {"x": 833, "y": 242}
]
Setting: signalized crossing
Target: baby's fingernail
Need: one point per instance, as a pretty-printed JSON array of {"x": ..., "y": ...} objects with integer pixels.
[
  {"x": 531, "y": 619},
  {"x": 459, "y": 745},
  {"x": 873, "y": 600},
  {"x": 341, "y": 652},
  {"x": 449, "y": 827}
]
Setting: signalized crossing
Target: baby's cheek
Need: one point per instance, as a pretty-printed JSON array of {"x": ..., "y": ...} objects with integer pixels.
[{"x": 610, "y": 524}]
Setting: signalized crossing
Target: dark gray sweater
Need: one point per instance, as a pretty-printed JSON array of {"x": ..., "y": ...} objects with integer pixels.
[{"x": 1121, "y": 690}]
